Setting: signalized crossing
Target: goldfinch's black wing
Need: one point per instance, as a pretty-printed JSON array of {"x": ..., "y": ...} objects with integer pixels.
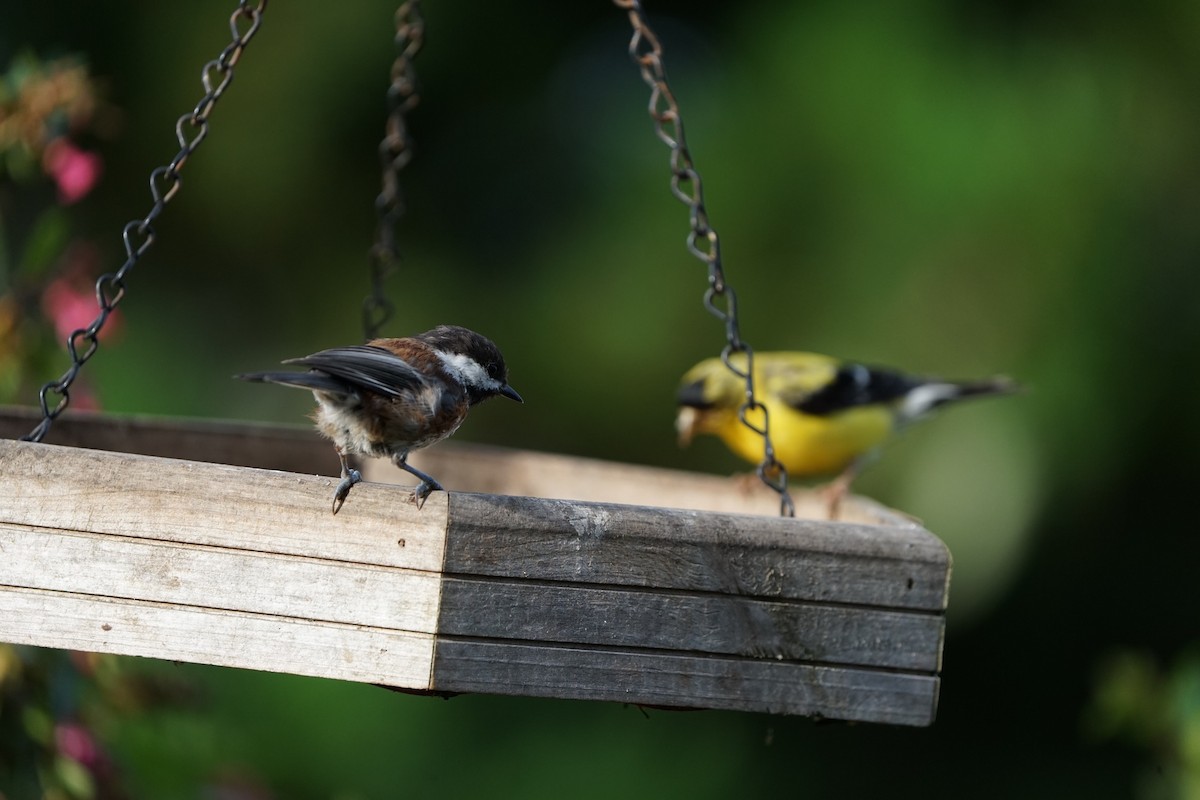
[
  {"x": 363, "y": 366},
  {"x": 852, "y": 385}
]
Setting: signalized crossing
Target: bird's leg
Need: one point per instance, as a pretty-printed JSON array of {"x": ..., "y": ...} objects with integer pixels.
[
  {"x": 349, "y": 478},
  {"x": 427, "y": 485},
  {"x": 834, "y": 491}
]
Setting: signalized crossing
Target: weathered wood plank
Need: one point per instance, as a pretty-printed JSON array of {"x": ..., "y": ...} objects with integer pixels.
[
  {"x": 459, "y": 466},
  {"x": 497, "y": 470},
  {"x": 681, "y": 680},
  {"x": 699, "y": 623},
  {"x": 215, "y": 636},
  {"x": 202, "y": 576},
  {"x": 210, "y": 504},
  {"x": 292, "y": 448},
  {"x": 766, "y": 557}
]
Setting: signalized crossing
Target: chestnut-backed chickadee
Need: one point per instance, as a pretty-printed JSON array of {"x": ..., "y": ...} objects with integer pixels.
[{"x": 392, "y": 396}]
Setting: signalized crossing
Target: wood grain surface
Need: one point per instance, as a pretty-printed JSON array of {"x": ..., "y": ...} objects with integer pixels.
[{"x": 240, "y": 564}]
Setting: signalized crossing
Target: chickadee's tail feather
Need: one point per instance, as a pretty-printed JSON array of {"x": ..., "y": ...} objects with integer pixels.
[{"x": 313, "y": 381}]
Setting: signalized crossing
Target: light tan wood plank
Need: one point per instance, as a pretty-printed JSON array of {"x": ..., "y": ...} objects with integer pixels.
[
  {"x": 216, "y": 578},
  {"x": 496, "y": 470},
  {"x": 223, "y": 638},
  {"x": 211, "y": 504}
]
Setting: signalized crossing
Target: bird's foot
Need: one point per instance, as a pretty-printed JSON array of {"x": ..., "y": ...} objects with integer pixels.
[
  {"x": 833, "y": 493},
  {"x": 837, "y": 490},
  {"x": 423, "y": 490},
  {"x": 350, "y": 478},
  {"x": 746, "y": 483}
]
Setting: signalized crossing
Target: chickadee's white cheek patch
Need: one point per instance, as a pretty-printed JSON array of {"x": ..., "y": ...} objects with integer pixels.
[{"x": 469, "y": 371}]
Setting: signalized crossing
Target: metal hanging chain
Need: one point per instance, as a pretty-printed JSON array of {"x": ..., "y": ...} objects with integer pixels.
[
  {"x": 139, "y": 235},
  {"x": 702, "y": 241},
  {"x": 395, "y": 151}
]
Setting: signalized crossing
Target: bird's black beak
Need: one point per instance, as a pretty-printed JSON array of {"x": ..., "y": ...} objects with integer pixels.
[{"x": 510, "y": 393}]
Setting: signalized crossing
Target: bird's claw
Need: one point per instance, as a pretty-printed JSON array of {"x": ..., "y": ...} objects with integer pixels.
[
  {"x": 343, "y": 488},
  {"x": 423, "y": 490}
]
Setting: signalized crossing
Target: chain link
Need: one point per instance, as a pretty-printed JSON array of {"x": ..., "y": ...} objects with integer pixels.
[
  {"x": 395, "y": 151},
  {"x": 138, "y": 235},
  {"x": 720, "y": 299}
]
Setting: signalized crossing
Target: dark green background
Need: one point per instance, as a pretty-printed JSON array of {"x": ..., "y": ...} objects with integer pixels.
[{"x": 950, "y": 187}]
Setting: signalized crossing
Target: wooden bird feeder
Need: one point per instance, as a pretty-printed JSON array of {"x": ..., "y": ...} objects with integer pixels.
[{"x": 535, "y": 574}]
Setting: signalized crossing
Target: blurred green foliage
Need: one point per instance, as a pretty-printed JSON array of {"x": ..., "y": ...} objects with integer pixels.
[
  {"x": 1156, "y": 710},
  {"x": 943, "y": 186}
]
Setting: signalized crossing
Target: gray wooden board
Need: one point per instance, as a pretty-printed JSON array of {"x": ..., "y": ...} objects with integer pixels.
[
  {"x": 684, "y": 680},
  {"x": 768, "y": 557},
  {"x": 701, "y": 623}
]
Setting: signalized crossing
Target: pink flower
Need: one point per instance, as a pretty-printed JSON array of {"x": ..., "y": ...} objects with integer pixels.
[
  {"x": 83, "y": 398},
  {"x": 75, "y": 171},
  {"x": 71, "y": 308},
  {"x": 76, "y": 742}
]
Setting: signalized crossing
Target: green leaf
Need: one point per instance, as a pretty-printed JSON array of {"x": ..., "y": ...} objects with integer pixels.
[
  {"x": 6, "y": 278},
  {"x": 46, "y": 242},
  {"x": 74, "y": 778},
  {"x": 38, "y": 724}
]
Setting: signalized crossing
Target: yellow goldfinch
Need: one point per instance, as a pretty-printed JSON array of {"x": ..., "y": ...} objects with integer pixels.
[{"x": 825, "y": 415}]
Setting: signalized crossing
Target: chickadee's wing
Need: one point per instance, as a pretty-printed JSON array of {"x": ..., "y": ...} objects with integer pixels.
[
  {"x": 847, "y": 386},
  {"x": 366, "y": 367},
  {"x": 316, "y": 381}
]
